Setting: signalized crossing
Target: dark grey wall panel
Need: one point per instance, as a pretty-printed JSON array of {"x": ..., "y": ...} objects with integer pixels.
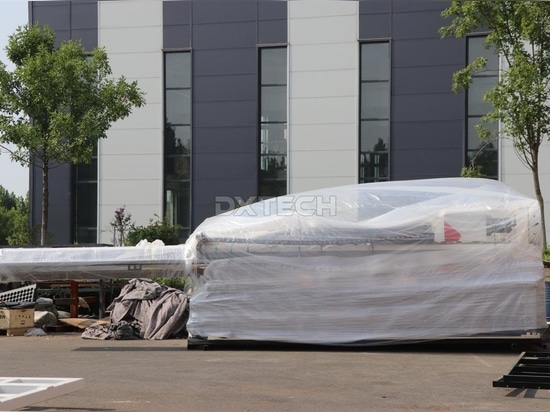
[
  {"x": 372, "y": 26},
  {"x": 399, "y": 6},
  {"x": 231, "y": 166},
  {"x": 440, "y": 134},
  {"x": 418, "y": 80},
  {"x": 56, "y": 14},
  {"x": 224, "y": 11},
  {"x": 272, "y": 31},
  {"x": 427, "y": 107},
  {"x": 226, "y": 88},
  {"x": 417, "y": 25},
  {"x": 375, "y": 6},
  {"x": 84, "y": 15},
  {"x": 176, "y": 17},
  {"x": 225, "y": 114},
  {"x": 224, "y": 35},
  {"x": 428, "y": 52},
  {"x": 224, "y": 62},
  {"x": 272, "y": 10},
  {"x": 177, "y": 37},
  {"x": 226, "y": 139},
  {"x": 176, "y": 12},
  {"x": 87, "y": 37},
  {"x": 426, "y": 163}
]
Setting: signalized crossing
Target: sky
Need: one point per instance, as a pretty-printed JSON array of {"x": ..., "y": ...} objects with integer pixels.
[{"x": 13, "y": 13}]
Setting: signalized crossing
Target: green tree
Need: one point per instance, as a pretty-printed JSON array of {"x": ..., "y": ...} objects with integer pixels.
[
  {"x": 58, "y": 102},
  {"x": 14, "y": 219},
  {"x": 519, "y": 31}
]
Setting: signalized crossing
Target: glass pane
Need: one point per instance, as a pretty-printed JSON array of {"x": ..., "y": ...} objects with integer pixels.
[
  {"x": 373, "y": 167},
  {"x": 375, "y": 135},
  {"x": 273, "y": 139},
  {"x": 476, "y": 105},
  {"x": 177, "y": 168},
  {"x": 273, "y": 167},
  {"x": 178, "y": 203},
  {"x": 86, "y": 205},
  {"x": 178, "y": 70},
  {"x": 487, "y": 159},
  {"x": 86, "y": 235},
  {"x": 177, "y": 140},
  {"x": 375, "y": 61},
  {"x": 178, "y": 106},
  {"x": 272, "y": 188},
  {"x": 273, "y": 65},
  {"x": 375, "y": 100},
  {"x": 476, "y": 48},
  {"x": 86, "y": 172},
  {"x": 474, "y": 142},
  {"x": 273, "y": 104}
]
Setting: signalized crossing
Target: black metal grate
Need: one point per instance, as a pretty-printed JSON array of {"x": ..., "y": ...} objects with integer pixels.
[{"x": 531, "y": 371}]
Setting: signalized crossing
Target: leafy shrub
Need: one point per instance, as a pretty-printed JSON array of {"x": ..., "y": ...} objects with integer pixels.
[{"x": 157, "y": 229}]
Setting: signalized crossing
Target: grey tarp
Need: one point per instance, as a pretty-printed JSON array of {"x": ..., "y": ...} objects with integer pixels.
[{"x": 155, "y": 311}]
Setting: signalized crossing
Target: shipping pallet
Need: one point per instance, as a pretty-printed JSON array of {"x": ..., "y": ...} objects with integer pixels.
[
  {"x": 531, "y": 371},
  {"x": 14, "y": 332}
]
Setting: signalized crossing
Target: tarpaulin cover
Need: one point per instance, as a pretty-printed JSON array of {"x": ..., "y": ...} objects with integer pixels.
[{"x": 391, "y": 261}]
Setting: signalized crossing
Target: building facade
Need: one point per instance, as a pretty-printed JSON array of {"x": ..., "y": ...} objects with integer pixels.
[{"x": 252, "y": 99}]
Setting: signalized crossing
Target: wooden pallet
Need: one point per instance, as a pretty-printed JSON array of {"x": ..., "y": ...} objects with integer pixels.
[{"x": 14, "y": 332}]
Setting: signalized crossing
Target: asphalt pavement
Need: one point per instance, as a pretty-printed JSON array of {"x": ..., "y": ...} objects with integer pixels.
[{"x": 164, "y": 375}]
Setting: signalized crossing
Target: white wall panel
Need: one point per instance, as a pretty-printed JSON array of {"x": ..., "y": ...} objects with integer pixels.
[
  {"x": 324, "y": 30},
  {"x": 323, "y": 57},
  {"x": 335, "y": 83},
  {"x": 117, "y": 13},
  {"x": 139, "y": 64},
  {"x": 324, "y": 110},
  {"x": 327, "y": 136},
  {"x": 323, "y": 94},
  {"x": 139, "y": 141},
  {"x": 130, "y": 159},
  {"x": 131, "y": 40}
]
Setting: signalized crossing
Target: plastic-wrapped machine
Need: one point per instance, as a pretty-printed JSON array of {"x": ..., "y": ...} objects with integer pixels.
[
  {"x": 65, "y": 263},
  {"x": 371, "y": 263}
]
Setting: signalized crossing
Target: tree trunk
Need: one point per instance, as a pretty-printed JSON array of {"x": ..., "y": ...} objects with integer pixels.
[
  {"x": 540, "y": 199},
  {"x": 45, "y": 204}
]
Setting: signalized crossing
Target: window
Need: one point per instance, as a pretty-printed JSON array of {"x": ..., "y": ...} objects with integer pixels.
[
  {"x": 177, "y": 140},
  {"x": 375, "y": 103},
  {"x": 484, "y": 153},
  {"x": 273, "y": 122},
  {"x": 85, "y": 202}
]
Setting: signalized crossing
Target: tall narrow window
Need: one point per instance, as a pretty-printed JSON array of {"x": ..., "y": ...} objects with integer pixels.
[
  {"x": 177, "y": 140},
  {"x": 85, "y": 201},
  {"x": 375, "y": 112},
  {"x": 273, "y": 122},
  {"x": 483, "y": 153}
]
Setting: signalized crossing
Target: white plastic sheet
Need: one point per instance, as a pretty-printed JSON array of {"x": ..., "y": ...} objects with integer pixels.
[{"x": 408, "y": 260}]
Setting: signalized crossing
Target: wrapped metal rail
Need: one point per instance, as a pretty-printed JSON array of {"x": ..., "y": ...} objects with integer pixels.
[
  {"x": 379, "y": 262},
  {"x": 66, "y": 263}
]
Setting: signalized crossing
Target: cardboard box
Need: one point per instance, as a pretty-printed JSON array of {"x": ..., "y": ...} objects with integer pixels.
[{"x": 16, "y": 318}]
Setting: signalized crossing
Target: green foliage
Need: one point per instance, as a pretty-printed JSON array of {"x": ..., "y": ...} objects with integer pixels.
[
  {"x": 58, "y": 102},
  {"x": 546, "y": 254},
  {"x": 156, "y": 229},
  {"x": 518, "y": 31},
  {"x": 14, "y": 219},
  {"x": 471, "y": 171}
]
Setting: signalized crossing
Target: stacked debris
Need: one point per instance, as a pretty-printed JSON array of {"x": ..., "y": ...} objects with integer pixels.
[{"x": 144, "y": 310}]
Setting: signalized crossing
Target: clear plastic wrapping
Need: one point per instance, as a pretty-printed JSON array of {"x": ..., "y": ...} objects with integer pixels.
[
  {"x": 65, "y": 263},
  {"x": 408, "y": 260}
]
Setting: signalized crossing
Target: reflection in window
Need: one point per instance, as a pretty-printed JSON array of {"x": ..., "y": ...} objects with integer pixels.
[
  {"x": 85, "y": 202},
  {"x": 273, "y": 122},
  {"x": 375, "y": 112},
  {"x": 177, "y": 140},
  {"x": 484, "y": 153}
]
